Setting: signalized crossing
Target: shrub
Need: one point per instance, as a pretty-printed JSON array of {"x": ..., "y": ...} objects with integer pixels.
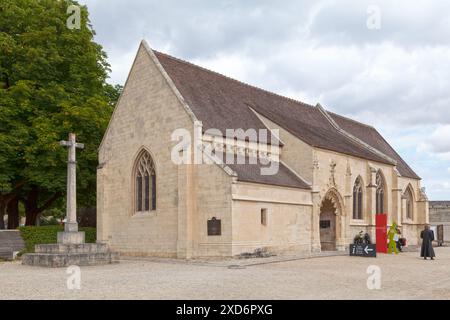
[
  {"x": 48, "y": 234},
  {"x": 91, "y": 234}
]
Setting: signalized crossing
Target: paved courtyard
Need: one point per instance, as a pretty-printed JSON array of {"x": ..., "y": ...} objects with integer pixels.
[{"x": 405, "y": 276}]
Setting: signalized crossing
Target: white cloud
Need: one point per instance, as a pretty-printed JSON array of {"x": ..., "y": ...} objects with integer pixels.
[
  {"x": 441, "y": 186},
  {"x": 440, "y": 140},
  {"x": 121, "y": 65},
  {"x": 444, "y": 156}
]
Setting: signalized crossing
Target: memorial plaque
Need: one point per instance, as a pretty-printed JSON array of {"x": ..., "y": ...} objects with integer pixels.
[
  {"x": 363, "y": 250},
  {"x": 214, "y": 227}
]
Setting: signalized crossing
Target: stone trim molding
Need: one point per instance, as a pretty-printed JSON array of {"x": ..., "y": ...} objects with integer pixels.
[{"x": 240, "y": 147}]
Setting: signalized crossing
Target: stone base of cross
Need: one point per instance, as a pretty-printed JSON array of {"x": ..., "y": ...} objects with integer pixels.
[{"x": 71, "y": 237}]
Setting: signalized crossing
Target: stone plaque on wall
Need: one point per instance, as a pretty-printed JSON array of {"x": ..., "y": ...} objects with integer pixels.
[{"x": 214, "y": 227}]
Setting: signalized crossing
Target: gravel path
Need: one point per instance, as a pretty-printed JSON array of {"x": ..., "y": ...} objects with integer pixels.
[{"x": 403, "y": 277}]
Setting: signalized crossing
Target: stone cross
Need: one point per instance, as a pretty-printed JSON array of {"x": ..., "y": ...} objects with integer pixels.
[{"x": 71, "y": 211}]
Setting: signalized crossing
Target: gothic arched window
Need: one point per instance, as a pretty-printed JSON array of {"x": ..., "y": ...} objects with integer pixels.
[
  {"x": 409, "y": 203},
  {"x": 380, "y": 193},
  {"x": 145, "y": 183},
  {"x": 358, "y": 199}
]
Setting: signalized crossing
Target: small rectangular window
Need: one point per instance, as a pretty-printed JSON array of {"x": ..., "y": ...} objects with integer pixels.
[{"x": 264, "y": 217}]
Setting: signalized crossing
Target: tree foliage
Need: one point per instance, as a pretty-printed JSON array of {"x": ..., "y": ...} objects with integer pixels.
[{"x": 52, "y": 82}]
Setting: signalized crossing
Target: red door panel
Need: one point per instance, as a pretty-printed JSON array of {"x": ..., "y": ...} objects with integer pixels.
[{"x": 381, "y": 232}]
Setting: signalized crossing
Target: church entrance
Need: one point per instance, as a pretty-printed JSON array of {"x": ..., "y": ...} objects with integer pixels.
[{"x": 328, "y": 225}]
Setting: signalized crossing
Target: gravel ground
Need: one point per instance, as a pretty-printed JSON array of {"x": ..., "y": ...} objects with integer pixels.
[{"x": 404, "y": 276}]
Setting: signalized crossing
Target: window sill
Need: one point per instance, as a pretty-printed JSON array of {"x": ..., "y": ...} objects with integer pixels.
[{"x": 144, "y": 214}]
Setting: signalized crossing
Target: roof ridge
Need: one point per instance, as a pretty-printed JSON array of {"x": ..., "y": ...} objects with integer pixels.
[
  {"x": 235, "y": 80},
  {"x": 350, "y": 119},
  {"x": 352, "y": 137},
  {"x": 400, "y": 157},
  {"x": 380, "y": 135}
]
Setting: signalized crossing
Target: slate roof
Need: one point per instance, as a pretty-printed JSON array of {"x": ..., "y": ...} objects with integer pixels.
[
  {"x": 284, "y": 177},
  {"x": 221, "y": 102},
  {"x": 250, "y": 170}
]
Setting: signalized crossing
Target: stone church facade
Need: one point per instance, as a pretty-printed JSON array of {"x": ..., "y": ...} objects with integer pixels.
[{"x": 334, "y": 174}]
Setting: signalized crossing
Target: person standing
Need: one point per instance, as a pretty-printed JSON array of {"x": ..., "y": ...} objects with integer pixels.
[
  {"x": 399, "y": 240},
  {"x": 427, "y": 236},
  {"x": 393, "y": 238}
]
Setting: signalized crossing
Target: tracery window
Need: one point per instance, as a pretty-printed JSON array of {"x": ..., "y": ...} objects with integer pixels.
[
  {"x": 380, "y": 199},
  {"x": 145, "y": 183},
  {"x": 358, "y": 199},
  {"x": 409, "y": 203}
]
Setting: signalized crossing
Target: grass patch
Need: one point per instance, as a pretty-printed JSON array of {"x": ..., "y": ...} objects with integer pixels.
[{"x": 48, "y": 234}]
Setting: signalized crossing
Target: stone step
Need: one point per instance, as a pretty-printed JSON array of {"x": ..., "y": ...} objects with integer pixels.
[
  {"x": 58, "y": 260},
  {"x": 72, "y": 248}
]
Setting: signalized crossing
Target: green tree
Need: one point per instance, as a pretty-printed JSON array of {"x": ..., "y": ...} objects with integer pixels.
[{"x": 52, "y": 82}]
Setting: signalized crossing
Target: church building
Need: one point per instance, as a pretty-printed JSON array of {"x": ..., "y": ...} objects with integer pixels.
[{"x": 332, "y": 175}]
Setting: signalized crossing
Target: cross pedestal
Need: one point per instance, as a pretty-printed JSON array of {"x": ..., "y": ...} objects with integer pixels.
[{"x": 71, "y": 237}]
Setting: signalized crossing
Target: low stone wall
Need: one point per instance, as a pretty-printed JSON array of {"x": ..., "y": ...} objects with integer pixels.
[
  {"x": 10, "y": 243},
  {"x": 439, "y": 212},
  {"x": 440, "y": 215}
]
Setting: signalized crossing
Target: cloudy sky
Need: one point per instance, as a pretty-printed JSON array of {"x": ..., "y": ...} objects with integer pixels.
[{"x": 386, "y": 63}]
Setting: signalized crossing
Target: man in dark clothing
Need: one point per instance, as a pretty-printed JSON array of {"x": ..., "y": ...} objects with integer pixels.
[
  {"x": 399, "y": 241},
  {"x": 427, "y": 236}
]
